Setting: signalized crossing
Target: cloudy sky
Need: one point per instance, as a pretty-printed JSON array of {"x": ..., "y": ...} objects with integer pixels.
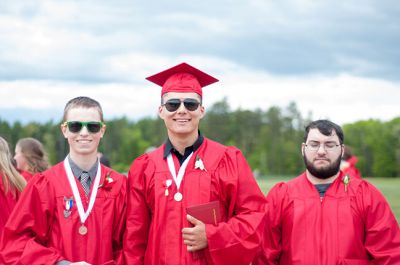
[{"x": 335, "y": 59}]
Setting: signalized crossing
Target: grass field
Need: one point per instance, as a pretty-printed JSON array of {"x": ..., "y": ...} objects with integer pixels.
[{"x": 389, "y": 187}]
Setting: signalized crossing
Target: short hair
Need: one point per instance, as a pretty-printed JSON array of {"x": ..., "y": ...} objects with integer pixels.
[
  {"x": 325, "y": 127},
  {"x": 83, "y": 102}
]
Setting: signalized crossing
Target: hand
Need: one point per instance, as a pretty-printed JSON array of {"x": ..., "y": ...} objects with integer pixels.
[
  {"x": 80, "y": 263},
  {"x": 195, "y": 237}
]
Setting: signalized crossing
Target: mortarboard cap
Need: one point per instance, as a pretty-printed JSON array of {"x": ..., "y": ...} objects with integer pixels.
[{"x": 182, "y": 78}]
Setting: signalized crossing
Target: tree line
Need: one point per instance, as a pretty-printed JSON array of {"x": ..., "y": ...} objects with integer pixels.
[{"x": 269, "y": 139}]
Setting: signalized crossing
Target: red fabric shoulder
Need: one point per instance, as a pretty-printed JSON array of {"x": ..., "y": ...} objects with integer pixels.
[
  {"x": 279, "y": 188},
  {"x": 277, "y": 193},
  {"x": 27, "y": 175},
  {"x": 212, "y": 152}
]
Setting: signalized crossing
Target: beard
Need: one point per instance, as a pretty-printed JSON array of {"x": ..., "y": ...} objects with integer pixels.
[{"x": 323, "y": 172}]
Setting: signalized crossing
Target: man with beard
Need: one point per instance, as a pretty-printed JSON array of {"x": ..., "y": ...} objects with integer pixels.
[{"x": 324, "y": 217}]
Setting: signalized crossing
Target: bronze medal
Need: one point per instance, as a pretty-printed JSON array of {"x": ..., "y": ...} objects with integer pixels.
[
  {"x": 83, "y": 230},
  {"x": 178, "y": 196}
]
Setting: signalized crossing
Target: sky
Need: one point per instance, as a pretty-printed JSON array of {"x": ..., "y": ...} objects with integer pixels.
[{"x": 335, "y": 59}]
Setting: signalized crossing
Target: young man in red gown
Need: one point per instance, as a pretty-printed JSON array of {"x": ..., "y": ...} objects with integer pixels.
[
  {"x": 324, "y": 217},
  {"x": 74, "y": 212},
  {"x": 189, "y": 170}
]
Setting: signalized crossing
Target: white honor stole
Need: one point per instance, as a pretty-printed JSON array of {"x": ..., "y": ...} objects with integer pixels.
[
  {"x": 83, "y": 215},
  {"x": 178, "y": 178}
]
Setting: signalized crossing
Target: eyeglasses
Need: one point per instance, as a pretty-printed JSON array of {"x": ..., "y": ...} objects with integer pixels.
[
  {"x": 76, "y": 126},
  {"x": 173, "y": 104},
  {"x": 328, "y": 146}
]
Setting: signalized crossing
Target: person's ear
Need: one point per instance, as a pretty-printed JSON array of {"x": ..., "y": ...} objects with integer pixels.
[
  {"x": 160, "y": 112},
  {"x": 202, "y": 111},
  {"x": 303, "y": 146},
  {"x": 64, "y": 130},
  {"x": 103, "y": 130}
]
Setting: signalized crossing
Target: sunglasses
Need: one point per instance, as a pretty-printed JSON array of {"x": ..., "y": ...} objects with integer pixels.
[
  {"x": 173, "y": 104},
  {"x": 76, "y": 126}
]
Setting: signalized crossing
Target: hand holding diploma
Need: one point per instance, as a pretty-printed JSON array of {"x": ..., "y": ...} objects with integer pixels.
[{"x": 195, "y": 237}]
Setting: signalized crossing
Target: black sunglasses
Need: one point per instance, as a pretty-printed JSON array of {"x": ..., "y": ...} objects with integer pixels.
[
  {"x": 76, "y": 126},
  {"x": 173, "y": 104}
]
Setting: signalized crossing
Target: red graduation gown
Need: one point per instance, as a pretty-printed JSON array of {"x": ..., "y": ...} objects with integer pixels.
[
  {"x": 155, "y": 221},
  {"x": 7, "y": 203},
  {"x": 38, "y": 232},
  {"x": 353, "y": 227},
  {"x": 27, "y": 175}
]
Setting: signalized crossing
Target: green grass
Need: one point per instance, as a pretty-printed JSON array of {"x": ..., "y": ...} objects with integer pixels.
[{"x": 390, "y": 187}]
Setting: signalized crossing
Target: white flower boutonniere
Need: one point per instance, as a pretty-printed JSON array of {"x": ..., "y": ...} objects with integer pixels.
[
  {"x": 346, "y": 181},
  {"x": 199, "y": 164},
  {"x": 107, "y": 183}
]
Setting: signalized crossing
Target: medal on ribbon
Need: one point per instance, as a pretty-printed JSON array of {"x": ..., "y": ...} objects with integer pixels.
[
  {"x": 82, "y": 230},
  {"x": 83, "y": 215},
  {"x": 178, "y": 196}
]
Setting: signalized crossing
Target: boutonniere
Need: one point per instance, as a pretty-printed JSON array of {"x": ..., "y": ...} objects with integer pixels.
[
  {"x": 199, "y": 164},
  {"x": 346, "y": 181},
  {"x": 107, "y": 183},
  {"x": 167, "y": 183}
]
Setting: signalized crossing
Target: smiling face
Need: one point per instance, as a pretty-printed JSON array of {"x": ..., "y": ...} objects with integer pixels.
[
  {"x": 83, "y": 143},
  {"x": 322, "y": 154},
  {"x": 182, "y": 123}
]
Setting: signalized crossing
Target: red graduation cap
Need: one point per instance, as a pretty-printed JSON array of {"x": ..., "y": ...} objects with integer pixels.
[{"x": 182, "y": 78}]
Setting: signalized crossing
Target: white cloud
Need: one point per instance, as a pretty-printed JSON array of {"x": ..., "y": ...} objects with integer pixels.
[
  {"x": 342, "y": 98},
  {"x": 337, "y": 59}
]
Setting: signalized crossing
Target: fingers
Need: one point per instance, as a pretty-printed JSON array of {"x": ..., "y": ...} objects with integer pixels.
[
  {"x": 192, "y": 248},
  {"x": 189, "y": 237},
  {"x": 192, "y": 220},
  {"x": 194, "y": 238},
  {"x": 195, "y": 222},
  {"x": 189, "y": 242},
  {"x": 188, "y": 233},
  {"x": 192, "y": 244}
]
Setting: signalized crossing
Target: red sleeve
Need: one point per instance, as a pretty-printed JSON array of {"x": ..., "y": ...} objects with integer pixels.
[
  {"x": 119, "y": 222},
  {"x": 271, "y": 246},
  {"x": 27, "y": 230},
  {"x": 236, "y": 241},
  {"x": 382, "y": 233},
  {"x": 138, "y": 214}
]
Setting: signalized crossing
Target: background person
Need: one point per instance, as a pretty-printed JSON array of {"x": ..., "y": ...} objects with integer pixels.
[
  {"x": 11, "y": 184},
  {"x": 31, "y": 157},
  {"x": 348, "y": 164},
  {"x": 104, "y": 160}
]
